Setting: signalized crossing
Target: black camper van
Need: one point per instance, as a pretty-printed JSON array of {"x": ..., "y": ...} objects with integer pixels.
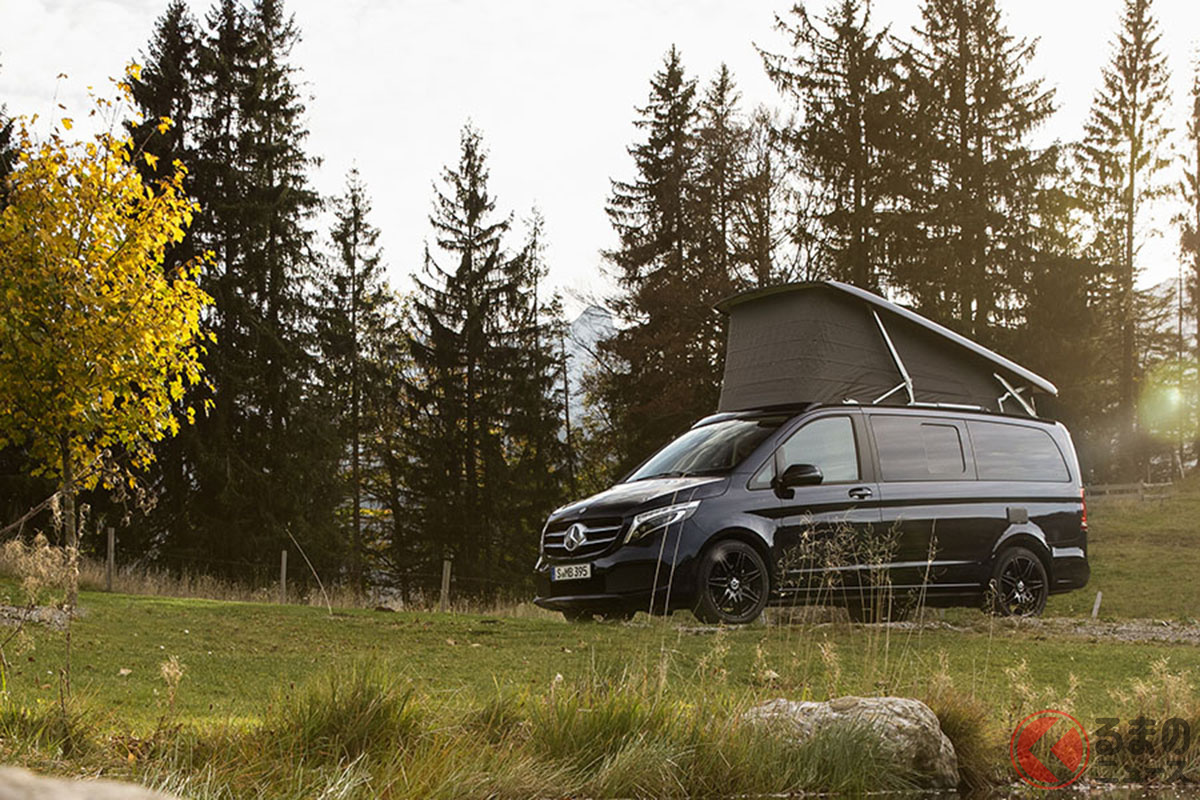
[{"x": 862, "y": 455}]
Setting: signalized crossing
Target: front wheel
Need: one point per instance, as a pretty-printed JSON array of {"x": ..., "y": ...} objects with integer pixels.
[
  {"x": 1019, "y": 586},
  {"x": 733, "y": 584}
]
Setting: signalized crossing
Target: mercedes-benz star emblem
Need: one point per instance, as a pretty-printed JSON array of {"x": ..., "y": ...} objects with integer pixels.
[{"x": 575, "y": 538}]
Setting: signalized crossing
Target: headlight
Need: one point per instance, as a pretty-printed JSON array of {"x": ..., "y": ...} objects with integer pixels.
[{"x": 648, "y": 522}]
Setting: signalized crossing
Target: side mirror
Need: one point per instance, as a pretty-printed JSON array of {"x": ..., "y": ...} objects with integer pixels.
[{"x": 798, "y": 475}]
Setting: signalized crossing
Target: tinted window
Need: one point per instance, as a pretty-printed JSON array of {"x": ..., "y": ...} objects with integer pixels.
[
  {"x": 915, "y": 449},
  {"x": 710, "y": 449},
  {"x": 1016, "y": 453},
  {"x": 827, "y": 443}
]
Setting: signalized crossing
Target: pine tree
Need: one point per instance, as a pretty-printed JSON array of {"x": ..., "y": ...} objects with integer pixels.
[
  {"x": 8, "y": 150},
  {"x": 776, "y": 236},
  {"x": 722, "y": 143},
  {"x": 353, "y": 328},
  {"x": 392, "y": 542},
  {"x": 1188, "y": 220},
  {"x": 476, "y": 400},
  {"x": 1062, "y": 326},
  {"x": 1123, "y": 159},
  {"x": 536, "y": 450},
  {"x": 260, "y": 468},
  {"x": 719, "y": 253},
  {"x": 843, "y": 79},
  {"x": 166, "y": 90},
  {"x": 980, "y": 110},
  {"x": 219, "y": 459},
  {"x": 651, "y": 214},
  {"x": 664, "y": 371},
  {"x": 8, "y": 153},
  {"x": 297, "y": 444}
]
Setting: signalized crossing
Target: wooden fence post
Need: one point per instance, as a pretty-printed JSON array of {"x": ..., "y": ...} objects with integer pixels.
[
  {"x": 444, "y": 602},
  {"x": 282, "y": 577},
  {"x": 110, "y": 565}
]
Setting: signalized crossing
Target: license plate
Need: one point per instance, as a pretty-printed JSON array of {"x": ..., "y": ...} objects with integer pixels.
[{"x": 571, "y": 572}]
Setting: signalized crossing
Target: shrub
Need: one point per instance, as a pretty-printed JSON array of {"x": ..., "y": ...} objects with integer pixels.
[{"x": 345, "y": 716}]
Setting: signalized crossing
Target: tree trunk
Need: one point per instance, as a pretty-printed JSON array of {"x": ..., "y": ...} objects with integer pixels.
[
  {"x": 68, "y": 515},
  {"x": 356, "y": 545},
  {"x": 1128, "y": 352},
  {"x": 356, "y": 576}
]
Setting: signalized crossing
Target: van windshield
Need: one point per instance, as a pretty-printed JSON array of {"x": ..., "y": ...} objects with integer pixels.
[{"x": 708, "y": 450}]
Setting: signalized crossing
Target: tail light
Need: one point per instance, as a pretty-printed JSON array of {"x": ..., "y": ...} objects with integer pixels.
[{"x": 1083, "y": 501}]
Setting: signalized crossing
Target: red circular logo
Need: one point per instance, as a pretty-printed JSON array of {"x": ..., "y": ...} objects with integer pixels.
[{"x": 1050, "y": 749}]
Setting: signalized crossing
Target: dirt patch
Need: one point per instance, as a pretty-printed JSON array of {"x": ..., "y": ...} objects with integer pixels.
[
  {"x": 54, "y": 618},
  {"x": 1132, "y": 630},
  {"x": 1129, "y": 630}
]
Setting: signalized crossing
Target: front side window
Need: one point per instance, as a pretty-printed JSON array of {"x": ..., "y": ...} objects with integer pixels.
[
  {"x": 711, "y": 449},
  {"x": 827, "y": 443}
]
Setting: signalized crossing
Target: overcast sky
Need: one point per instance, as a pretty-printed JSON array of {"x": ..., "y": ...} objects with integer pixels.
[{"x": 551, "y": 84}]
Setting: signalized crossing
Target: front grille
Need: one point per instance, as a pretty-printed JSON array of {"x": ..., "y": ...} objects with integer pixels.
[{"x": 600, "y": 536}]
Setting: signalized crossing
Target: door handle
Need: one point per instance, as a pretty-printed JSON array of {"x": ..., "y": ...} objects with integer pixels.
[{"x": 860, "y": 492}]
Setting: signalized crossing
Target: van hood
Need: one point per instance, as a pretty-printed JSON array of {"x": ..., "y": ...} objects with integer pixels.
[{"x": 625, "y": 498}]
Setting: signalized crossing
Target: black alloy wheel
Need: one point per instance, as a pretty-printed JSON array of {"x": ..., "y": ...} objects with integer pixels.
[
  {"x": 1019, "y": 585},
  {"x": 733, "y": 584}
]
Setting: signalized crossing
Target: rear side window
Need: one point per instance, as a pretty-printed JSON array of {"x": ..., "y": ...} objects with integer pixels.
[
  {"x": 916, "y": 449},
  {"x": 1016, "y": 453}
]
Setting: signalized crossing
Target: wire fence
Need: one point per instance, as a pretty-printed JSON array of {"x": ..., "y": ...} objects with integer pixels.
[{"x": 288, "y": 578}]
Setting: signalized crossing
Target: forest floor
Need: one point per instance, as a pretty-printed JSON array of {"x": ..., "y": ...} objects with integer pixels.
[{"x": 244, "y": 663}]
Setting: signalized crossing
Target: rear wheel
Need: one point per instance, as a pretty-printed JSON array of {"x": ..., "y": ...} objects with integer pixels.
[
  {"x": 1019, "y": 586},
  {"x": 733, "y": 584}
]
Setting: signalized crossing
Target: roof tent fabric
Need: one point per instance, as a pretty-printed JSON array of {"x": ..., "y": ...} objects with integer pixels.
[{"x": 825, "y": 343}]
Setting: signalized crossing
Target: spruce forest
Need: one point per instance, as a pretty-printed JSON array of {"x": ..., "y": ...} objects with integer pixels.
[{"x": 383, "y": 431}]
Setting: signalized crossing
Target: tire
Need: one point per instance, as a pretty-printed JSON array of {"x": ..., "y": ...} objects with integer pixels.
[
  {"x": 578, "y": 617},
  {"x": 733, "y": 584},
  {"x": 1019, "y": 585}
]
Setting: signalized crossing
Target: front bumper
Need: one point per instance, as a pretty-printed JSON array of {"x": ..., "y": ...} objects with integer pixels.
[{"x": 624, "y": 579}]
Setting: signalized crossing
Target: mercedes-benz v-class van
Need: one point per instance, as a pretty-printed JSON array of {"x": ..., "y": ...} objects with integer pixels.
[{"x": 875, "y": 508}]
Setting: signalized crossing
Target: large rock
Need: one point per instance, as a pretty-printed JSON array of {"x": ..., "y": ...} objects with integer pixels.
[
  {"x": 19, "y": 784},
  {"x": 909, "y": 727}
]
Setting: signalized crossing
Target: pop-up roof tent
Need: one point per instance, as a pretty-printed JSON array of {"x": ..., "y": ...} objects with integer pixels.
[{"x": 829, "y": 342}]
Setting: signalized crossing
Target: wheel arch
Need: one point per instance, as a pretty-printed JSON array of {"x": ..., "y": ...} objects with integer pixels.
[
  {"x": 749, "y": 537},
  {"x": 1031, "y": 538}
]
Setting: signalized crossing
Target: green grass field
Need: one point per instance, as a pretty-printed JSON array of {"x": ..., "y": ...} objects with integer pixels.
[
  {"x": 245, "y": 662},
  {"x": 237, "y": 655},
  {"x": 1145, "y": 557}
]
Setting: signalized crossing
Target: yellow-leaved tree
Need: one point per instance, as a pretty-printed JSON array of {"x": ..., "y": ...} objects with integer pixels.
[{"x": 97, "y": 341}]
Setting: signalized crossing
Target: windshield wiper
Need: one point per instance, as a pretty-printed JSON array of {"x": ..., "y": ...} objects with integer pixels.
[
  {"x": 680, "y": 473},
  {"x": 673, "y": 474}
]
